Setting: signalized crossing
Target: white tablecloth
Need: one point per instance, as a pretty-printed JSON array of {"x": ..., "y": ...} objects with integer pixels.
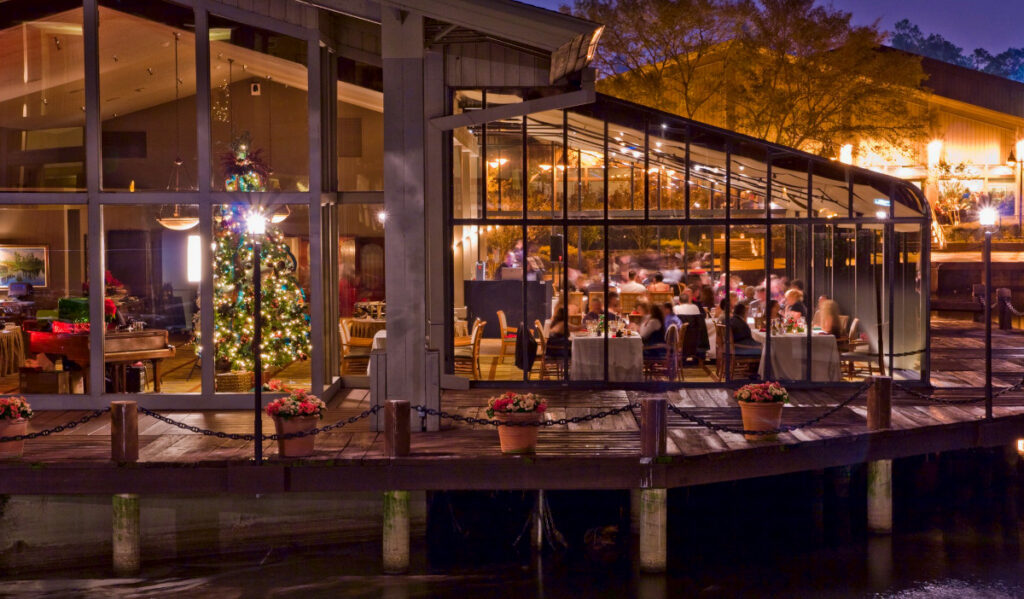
[
  {"x": 380, "y": 341},
  {"x": 625, "y": 358},
  {"x": 789, "y": 354}
]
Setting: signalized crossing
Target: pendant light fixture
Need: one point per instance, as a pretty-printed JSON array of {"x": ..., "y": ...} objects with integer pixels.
[{"x": 180, "y": 178}]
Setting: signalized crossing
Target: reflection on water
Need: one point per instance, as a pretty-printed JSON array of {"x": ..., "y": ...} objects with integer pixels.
[{"x": 958, "y": 537}]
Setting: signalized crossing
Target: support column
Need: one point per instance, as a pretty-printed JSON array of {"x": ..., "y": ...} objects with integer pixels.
[
  {"x": 653, "y": 530},
  {"x": 880, "y": 471},
  {"x": 396, "y": 532},
  {"x": 126, "y": 533},
  {"x": 407, "y": 251}
]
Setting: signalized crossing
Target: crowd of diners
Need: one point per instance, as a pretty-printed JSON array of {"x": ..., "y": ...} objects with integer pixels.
[{"x": 730, "y": 302}]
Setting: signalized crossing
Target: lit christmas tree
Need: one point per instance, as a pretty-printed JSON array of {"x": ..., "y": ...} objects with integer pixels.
[{"x": 285, "y": 321}]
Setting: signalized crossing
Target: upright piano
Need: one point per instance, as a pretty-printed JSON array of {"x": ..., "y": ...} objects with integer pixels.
[{"x": 119, "y": 349}]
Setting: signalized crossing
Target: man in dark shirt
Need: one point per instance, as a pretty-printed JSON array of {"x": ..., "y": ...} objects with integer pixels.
[{"x": 743, "y": 340}]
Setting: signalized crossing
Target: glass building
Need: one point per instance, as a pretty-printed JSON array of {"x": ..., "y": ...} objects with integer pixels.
[
  {"x": 400, "y": 157},
  {"x": 593, "y": 193}
]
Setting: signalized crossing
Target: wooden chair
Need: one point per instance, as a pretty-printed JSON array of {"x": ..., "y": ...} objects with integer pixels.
[
  {"x": 576, "y": 299},
  {"x": 357, "y": 339},
  {"x": 467, "y": 356},
  {"x": 546, "y": 362},
  {"x": 659, "y": 297},
  {"x": 665, "y": 366},
  {"x": 680, "y": 356},
  {"x": 628, "y": 301},
  {"x": 508, "y": 336},
  {"x": 856, "y": 351},
  {"x": 747, "y": 365}
]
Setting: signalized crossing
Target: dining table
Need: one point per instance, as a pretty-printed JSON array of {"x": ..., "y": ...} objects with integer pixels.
[
  {"x": 789, "y": 356},
  {"x": 625, "y": 358}
]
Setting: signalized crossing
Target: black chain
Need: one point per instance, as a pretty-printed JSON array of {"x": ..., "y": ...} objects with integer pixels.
[
  {"x": 250, "y": 436},
  {"x": 953, "y": 402},
  {"x": 782, "y": 429},
  {"x": 57, "y": 429},
  {"x": 424, "y": 412}
]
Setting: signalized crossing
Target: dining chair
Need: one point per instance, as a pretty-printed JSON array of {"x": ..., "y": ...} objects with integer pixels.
[
  {"x": 357, "y": 340},
  {"x": 547, "y": 362},
  {"x": 665, "y": 365},
  {"x": 680, "y": 356},
  {"x": 467, "y": 356},
  {"x": 628, "y": 301},
  {"x": 659, "y": 297},
  {"x": 508, "y": 336},
  {"x": 738, "y": 364},
  {"x": 857, "y": 351}
]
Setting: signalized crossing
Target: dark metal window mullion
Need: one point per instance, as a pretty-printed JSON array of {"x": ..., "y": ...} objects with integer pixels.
[
  {"x": 769, "y": 266},
  {"x": 647, "y": 169},
  {"x": 725, "y": 345},
  {"x": 890, "y": 262},
  {"x": 526, "y": 245},
  {"x": 483, "y": 162},
  {"x": 809, "y": 269},
  {"x": 607, "y": 252}
]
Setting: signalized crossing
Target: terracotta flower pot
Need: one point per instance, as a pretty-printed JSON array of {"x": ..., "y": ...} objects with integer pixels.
[
  {"x": 518, "y": 439},
  {"x": 12, "y": 428},
  {"x": 761, "y": 416},
  {"x": 296, "y": 447}
]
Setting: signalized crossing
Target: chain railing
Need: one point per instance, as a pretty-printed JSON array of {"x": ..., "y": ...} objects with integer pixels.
[
  {"x": 424, "y": 412},
  {"x": 931, "y": 397},
  {"x": 252, "y": 437},
  {"x": 782, "y": 429},
  {"x": 57, "y": 429}
]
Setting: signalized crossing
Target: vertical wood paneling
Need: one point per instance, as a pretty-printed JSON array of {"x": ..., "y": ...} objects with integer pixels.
[{"x": 494, "y": 65}]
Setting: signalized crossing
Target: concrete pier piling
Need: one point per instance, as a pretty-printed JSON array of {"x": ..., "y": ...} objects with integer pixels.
[
  {"x": 396, "y": 532},
  {"x": 653, "y": 530},
  {"x": 126, "y": 534}
]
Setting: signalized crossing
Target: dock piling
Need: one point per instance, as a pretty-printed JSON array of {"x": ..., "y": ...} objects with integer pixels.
[
  {"x": 126, "y": 534},
  {"x": 396, "y": 532},
  {"x": 879, "y": 416},
  {"x": 653, "y": 508},
  {"x": 396, "y": 427},
  {"x": 124, "y": 432}
]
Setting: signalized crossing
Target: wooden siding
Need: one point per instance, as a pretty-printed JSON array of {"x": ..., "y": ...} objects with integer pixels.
[
  {"x": 287, "y": 11},
  {"x": 487, "y": 64}
]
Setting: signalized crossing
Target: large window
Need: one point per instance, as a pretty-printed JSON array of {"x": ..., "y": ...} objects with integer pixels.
[
  {"x": 571, "y": 227},
  {"x": 42, "y": 96}
]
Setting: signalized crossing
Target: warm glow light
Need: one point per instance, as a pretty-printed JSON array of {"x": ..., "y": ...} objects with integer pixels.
[
  {"x": 382, "y": 216},
  {"x": 846, "y": 154},
  {"x": 881, "y": 214},
  {"x": 193, "y": 260},
  {"x": 1020, "y": 445},
  {"x": 256, "y": 223},
  {"x": 498, "y": 162},
  {"x": 934, "y": 152},
  {"x": 545, "y": 167},
  {"x": 988, "y": 216}
]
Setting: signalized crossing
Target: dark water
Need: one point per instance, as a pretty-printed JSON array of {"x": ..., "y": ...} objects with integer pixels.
[{"x": 959, "y": 536}]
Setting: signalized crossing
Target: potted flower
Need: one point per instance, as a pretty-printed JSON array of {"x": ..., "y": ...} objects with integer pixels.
[
  {"x": 517, "y": 408},
  {"x": 299, "y": 411},
  {"x": 761, "y": 407},
  {"x": 14, "y": 415}
]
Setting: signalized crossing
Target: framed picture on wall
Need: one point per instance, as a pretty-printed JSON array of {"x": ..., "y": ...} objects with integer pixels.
[{"x": 24, "y": 264}]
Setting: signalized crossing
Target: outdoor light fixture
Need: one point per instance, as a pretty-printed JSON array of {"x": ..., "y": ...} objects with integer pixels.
[
  {"x": 382, "y": 216},
  {"x": 256, "y": 223},
  {"x": 1020, "y": 446},
  {"x": 280, "y": 215},
  {"x": 881, "y": 214},
  {"x": 988, "y": 216}
]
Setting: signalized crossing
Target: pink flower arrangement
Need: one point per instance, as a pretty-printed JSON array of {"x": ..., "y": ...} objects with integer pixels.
[
  {"x": 510, "y": 401},
  {"x": 770, "y": 392},
  {"x": 14, "y": 407},
  {"x": 298, "y": 402}
]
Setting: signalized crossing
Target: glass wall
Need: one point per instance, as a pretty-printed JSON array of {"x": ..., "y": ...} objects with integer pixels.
[
  {"x": 42, "y": 96},
  {"x": 151, "y": 283},
  {"x": 147, "y": 92},
  {"x": 42, "y": 266},
  {"x": 754, "y": 260},
  {"x": 259, "y": 108}
]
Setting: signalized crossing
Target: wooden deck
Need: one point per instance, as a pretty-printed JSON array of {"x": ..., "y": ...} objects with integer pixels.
[{"x": 599, "y": 454}]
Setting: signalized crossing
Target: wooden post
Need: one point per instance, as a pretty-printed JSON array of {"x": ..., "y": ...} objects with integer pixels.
[
  {"x": 653, "y": 530},
  {"x": 126, "y": 533},
  {"x": 653, "y": 427},
  {"x": 653, "y": 502},
  {"x": 124, "y": 432},
  {"x": 396, "y": 532},
  {"x": 880, "y": 471},
  {"x": 396, "y": 427}
]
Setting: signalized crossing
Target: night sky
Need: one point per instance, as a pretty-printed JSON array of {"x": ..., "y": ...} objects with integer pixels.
[{"x": 991, "y": 24}]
